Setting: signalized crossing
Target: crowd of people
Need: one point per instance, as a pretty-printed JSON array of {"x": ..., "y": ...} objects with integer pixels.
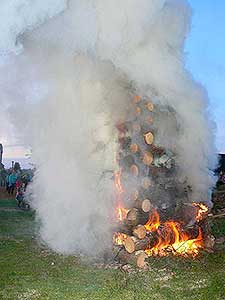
[{"x": 15, "y": 181}]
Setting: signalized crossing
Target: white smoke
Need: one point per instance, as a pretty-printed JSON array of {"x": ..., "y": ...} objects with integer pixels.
[{"x": 70, "y": 85}]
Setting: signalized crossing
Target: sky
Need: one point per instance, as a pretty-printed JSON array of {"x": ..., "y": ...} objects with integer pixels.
[
  {"x": 205, "y": 49},
  {"x": 205, "y": 59}
]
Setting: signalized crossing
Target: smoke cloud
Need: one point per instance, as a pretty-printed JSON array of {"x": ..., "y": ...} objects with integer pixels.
[{"x": 68, "y": 72}]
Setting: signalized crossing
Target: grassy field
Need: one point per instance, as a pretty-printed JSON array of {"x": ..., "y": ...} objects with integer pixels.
[{"x": 30, "y": 271}]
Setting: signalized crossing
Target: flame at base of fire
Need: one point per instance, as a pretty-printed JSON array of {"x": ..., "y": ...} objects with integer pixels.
[
  {"x": 119, "y": 238},
  {"x": 170, "y": 237},
  {"x": 171, "y": 240}
]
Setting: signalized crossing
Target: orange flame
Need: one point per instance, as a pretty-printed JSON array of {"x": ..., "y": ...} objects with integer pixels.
[
  {"x": 171, "y": 238},
  {"x": 121, "y": 212},
  {"x": 119, "y": 238},
  {"x": 117, "y": 176},
  {"x": 202, "y": 210},
  {"x": 153, "y": 221}
]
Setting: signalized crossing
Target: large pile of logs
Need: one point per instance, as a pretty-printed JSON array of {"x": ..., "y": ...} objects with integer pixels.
[{"x": 148, "y": 165}]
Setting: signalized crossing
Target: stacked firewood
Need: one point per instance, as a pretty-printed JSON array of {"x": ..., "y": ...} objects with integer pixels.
[
  {"x": 133, "y": 236},
  {"x": 136, "y": 160},
  {"x": 145, "y": 167}
]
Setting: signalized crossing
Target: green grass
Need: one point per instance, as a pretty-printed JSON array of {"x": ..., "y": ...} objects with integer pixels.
[
  {"x": 8, "y": 203},
  {"x": 31, "y": 271}
]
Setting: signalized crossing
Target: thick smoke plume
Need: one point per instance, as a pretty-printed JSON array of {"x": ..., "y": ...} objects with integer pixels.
[{"x": 68, "y": 72}]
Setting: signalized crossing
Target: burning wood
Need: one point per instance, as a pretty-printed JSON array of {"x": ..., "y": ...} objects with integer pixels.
[
  {"x": 133, "y": 244},
  {"x": 136, "y": 217},
  {"x": 140, "y": 231}
]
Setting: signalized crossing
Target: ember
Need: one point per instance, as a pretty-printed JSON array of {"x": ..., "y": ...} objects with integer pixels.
[
  {"x": 119, "y": 238},
  {"x": 202, "y": 210}
]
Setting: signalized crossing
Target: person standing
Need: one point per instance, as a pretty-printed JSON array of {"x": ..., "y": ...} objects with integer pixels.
[{"x": 12, "y": 182}]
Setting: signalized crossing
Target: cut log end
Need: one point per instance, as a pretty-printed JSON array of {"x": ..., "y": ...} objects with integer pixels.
[
  {"x": 134, "y": 170},
  {"x": 149, "y": 138},
  {"x": 146, "y": 183},
  {"x": 137, "y": 99},
  {"x": 138, "y": 258},
  {"x": 136, "y": 217},
  {"x": 132, "y": 214},
  {"x": 148, "y": 158},
  {"x": 134, "y": 148},
  {"x": 144, "y": 205},
  {"x": 129, "y": 244},
  {"x": 140, "y": 232},
  {"x": 141, "y": 257},
  {"x": 132, "y": 244},
  {"x": 150, "y": 106}
]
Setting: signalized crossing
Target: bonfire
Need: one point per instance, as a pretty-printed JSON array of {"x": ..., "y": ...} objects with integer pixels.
[{"x": 146, "y": 225}]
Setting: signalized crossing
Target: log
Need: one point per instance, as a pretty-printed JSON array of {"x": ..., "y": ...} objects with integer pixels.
[
  {"x": 124, "y": 142},
  {"x": 135, "y": 195},
  {"x": 137, "y": 111},
  {"x": 136, "y": 217},
  {"x": 136, "y": 127},
  {"x": 138, "y": 258},
  {"x": 134, "y": 148},
  {"x": 211, "y": 216},
  {"x": 146, "y": 183},
  {"x": 148, "y": 158},
  {"x": 140, "y": 232},
  {"x": 132, "y": 244},
  {"x": 157, "y": 150},
  {"x": 137, "y": 99},
  {"x": 150, "y": 106},
  {"x": 149, "y": 120},
  {"x": 149, "y": 138},
  {"x": 134, "y": 170},
  {"x": 144, "y": 205},
  {"x": 126, "y": 162},
  {"x": 122, "y": 228}
]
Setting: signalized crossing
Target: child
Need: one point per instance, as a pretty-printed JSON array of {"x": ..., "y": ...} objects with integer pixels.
[{"x": 19, "y": 196}]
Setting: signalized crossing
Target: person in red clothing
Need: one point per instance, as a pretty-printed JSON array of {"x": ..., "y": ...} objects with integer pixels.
[
  {"x": 18, "y": 184},
  {"x": 19, "y": 192}
]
